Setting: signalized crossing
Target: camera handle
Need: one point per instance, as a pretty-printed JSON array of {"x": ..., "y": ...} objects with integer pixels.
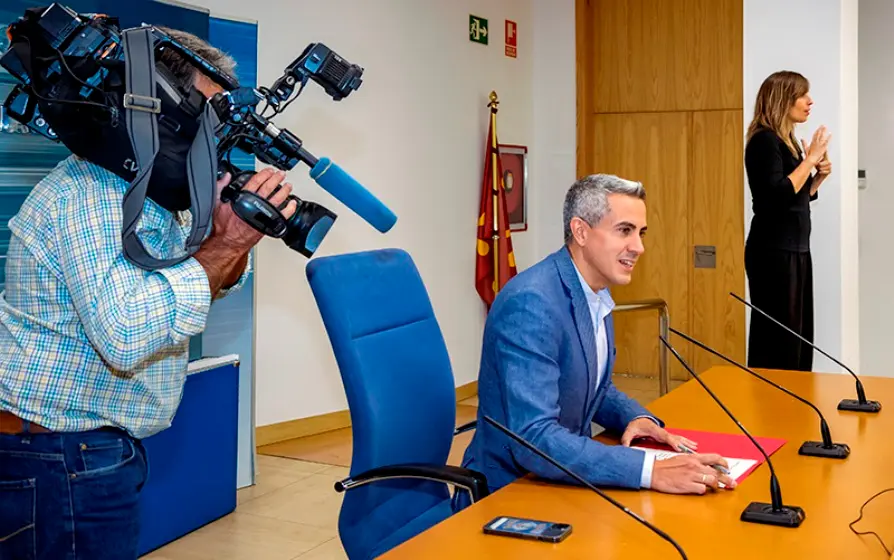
[{"x": 253, "y": 209}]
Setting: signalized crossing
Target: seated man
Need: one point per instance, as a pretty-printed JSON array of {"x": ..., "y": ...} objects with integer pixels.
[{"x": 548, "y": 353}]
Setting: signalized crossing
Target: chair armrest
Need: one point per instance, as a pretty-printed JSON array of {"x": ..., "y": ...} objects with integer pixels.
[
  {"x": 465, "y": 427},
  {"x": 471, "y": 481}
]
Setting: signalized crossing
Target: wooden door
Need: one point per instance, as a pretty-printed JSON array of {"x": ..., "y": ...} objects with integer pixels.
[{"x": 660, "y": 101}]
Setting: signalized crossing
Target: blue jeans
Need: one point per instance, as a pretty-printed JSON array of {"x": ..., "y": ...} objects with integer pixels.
[{"x": 70, "y": 496}]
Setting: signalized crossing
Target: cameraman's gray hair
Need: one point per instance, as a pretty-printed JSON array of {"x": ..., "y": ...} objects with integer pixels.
[
  {"x": 184, "y": 70},
  {"x": 587, "y": 198}
]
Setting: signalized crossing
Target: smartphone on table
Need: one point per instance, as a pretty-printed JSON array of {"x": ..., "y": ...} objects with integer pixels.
[{"x": 546, "y": 531}]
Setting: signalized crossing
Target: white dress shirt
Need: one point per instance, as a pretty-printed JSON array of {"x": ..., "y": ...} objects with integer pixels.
[{"x": 601, "y": 304}]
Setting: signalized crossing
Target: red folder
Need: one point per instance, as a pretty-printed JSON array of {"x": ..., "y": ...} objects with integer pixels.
[{"x": 736, "y": 446}]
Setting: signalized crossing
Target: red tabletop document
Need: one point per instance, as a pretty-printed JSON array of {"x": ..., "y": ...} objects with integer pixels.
[{"x": 737, "y": 449}]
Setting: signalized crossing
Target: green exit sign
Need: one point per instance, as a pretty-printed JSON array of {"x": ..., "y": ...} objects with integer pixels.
[{"x": 477, "y": 29}]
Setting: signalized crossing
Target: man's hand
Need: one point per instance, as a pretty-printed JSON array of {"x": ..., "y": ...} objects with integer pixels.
[
  {"x": 646, "y": 428},
  {"x": 690, "y": 474},
  {"x": 225, "y": 253},
  {"x": 229, "y": 229}
]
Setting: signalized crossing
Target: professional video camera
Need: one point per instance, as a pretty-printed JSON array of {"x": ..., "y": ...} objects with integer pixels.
[{"x": 102, "y": 93}]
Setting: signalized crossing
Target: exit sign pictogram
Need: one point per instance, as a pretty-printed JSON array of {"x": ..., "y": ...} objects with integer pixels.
[{"x": 477, "y": 29}]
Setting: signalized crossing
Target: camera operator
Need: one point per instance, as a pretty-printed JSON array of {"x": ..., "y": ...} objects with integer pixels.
[{"x": 94, "y": 350}]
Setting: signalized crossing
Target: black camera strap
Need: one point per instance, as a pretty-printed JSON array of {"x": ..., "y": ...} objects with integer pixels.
[{"x": 141, "y": 109}]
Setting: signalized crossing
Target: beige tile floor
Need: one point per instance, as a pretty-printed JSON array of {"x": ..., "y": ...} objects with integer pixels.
[{"x": 292, "y": 511}]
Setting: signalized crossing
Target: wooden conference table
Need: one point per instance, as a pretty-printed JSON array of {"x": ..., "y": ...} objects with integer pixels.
[{"x": 831, "y": 491}]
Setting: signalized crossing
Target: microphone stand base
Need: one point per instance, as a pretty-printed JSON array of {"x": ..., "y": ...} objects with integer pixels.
[
  {"x": 854, "y": 405},
  {"x": 761, "y": 512},
  {"x": 816, "y": 449}
]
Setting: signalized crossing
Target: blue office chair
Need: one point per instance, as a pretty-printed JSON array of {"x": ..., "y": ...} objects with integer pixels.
[{"x": 402, "y": 398}]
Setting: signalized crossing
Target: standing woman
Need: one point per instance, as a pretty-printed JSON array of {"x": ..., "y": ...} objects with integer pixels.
[{"x": 777, "y": 252}]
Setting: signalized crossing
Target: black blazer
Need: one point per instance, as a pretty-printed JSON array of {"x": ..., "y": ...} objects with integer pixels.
[{"x": 781, "y": 216}]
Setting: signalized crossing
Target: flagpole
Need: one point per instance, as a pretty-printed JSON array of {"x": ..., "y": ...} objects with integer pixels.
[{"x": 496, "y": 185}]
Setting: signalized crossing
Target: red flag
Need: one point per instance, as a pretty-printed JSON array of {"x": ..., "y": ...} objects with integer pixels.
[{"x": 494, "y": 246}]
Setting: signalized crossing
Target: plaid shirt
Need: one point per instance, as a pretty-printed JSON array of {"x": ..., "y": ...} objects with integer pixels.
[{"x": 87, "y": 339}]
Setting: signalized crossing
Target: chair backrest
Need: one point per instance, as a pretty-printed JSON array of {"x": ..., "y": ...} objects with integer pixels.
[{"x": 398, "y": 382}]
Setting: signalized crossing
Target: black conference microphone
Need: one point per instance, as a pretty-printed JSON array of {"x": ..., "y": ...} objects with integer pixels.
[
  {"x": 859, "y": 405},
  {"x": 774, "y": 513},
  {"x": 521, "y": 441},
  {"x": 823, "y": 448}
]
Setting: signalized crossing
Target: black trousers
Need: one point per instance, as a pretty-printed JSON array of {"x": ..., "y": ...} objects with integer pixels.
[{"x": 781, "y": 284}]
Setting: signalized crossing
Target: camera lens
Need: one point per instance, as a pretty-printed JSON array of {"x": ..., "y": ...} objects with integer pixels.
[{"x": 308, "y": 226}]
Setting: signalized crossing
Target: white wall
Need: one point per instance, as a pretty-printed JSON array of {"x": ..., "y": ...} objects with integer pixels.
[
  {"x": 818, "y": 38},
  {"x": 876, "y": 202},
  {"x": 414, "y": 135},
  {"x": 554, "y": 160}
]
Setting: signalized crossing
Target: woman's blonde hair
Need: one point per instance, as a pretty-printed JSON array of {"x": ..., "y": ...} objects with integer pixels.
[{"x": 775, "y": 99}]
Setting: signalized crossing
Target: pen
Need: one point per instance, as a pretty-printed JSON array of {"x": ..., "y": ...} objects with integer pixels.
[{"x": 719, "y": 468}]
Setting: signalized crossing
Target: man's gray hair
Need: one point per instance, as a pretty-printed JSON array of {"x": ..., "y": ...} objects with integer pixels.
[
  {"x": 184, "y": 70},
  {"x": 587, "y": 198}
]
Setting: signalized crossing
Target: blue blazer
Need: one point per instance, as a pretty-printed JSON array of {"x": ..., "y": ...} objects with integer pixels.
[{"x": 538, "y": 377}]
